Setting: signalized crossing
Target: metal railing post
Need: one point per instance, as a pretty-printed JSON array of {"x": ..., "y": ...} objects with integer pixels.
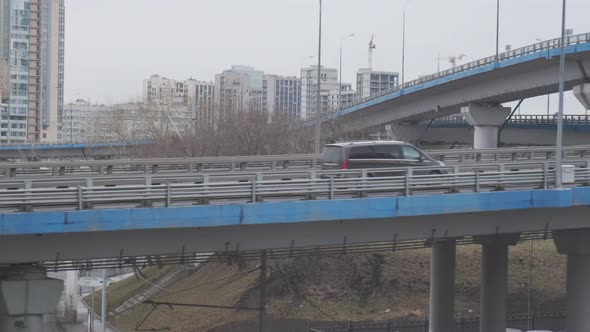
[
  {"x": 168, "y": 195},
  {"x": 203, "y": 200},
  {"x": 253, "y": 188},
  {"x": 407, "y": 182},
  {"x": 80, "y": 202},
  {"x": 476, "y": 181},
  {"x": 331, "y": 188},
  {"x": 545, "y": 174}
]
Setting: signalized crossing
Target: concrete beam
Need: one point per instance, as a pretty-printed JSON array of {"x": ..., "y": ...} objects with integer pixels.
[
  {"x": 442, "y": 286},
  {"x": 582, "y": 93},
  {"x": 576, "y": 245},
  {"x": 487, "y": 120}
]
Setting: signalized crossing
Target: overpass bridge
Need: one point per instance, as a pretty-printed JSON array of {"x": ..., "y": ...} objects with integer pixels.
[
  {"x": 494, "y": 198},
  {"x": 38, "y": 151},
  {"x": 529, "y": 129},
  {"x": 478, "y": 89}
]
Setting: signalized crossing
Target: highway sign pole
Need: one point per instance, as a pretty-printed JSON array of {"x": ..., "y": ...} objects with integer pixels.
[
  {"x": 262, "y": 312},
  {"x": 92, "y": 313},
  {"x": 559, "y": 143},
  {"x": 103, "y": 311}
]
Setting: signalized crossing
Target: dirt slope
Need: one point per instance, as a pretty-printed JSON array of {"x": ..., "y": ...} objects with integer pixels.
[{"x": 350, "y": 287}]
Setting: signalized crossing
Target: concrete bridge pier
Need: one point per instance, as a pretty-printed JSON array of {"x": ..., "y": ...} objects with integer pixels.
[
  {"x": 26, "y": 294},
  {"x": 442, "y": 286},
  {"x": 582, "y": 92},
  {"x": 487, "y": 120},
  {"x": 494, "y": 281},
  {"x": 576, "y": 245}
]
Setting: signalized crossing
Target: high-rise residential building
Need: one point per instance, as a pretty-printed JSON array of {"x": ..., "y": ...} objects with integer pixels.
[
  {"x": 200, "y": 98},
  {"x": 309, "y": 80},
  {"x": 32, "y": 68},
  {"x": 159, "y": 89},
  {"x": 197, "y": 96},
  {"x": 282, "y": 96},
  {"x": 81, "y": 122},
  {"x": 239, "y": 89},
  {"x": 340, "y": 99},
  {"x": 370, "y": 82}
]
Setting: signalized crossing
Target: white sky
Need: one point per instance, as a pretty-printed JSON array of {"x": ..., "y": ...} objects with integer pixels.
[{"x": 112, "y": 45}]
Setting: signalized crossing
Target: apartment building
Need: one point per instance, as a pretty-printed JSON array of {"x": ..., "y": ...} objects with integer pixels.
[
  {"x": 282, "y": 96},
  {"x": 32, "y": 69}
]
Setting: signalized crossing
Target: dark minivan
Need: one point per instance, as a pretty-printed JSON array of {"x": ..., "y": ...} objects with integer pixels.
[{"x": 376, "y": 154}]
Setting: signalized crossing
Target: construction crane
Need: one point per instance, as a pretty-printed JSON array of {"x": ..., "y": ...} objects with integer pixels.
[
  {"x": 371, "y": 48},
  {"x": 452, "y": 60}
]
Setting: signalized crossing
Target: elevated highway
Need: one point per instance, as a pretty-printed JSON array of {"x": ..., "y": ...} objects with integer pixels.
[
  {"x": 222, "y": 165},
  {"x": 517, "y": 74},
  {"x": 65, "y": 150}
]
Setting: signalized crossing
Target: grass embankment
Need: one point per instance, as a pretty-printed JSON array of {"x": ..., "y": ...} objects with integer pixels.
[
  {"x": 353, "y": 287},
  {"x": 122, "y": 290}
]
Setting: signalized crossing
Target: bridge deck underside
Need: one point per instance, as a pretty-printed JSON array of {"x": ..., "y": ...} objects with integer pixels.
[{"x": 47, "y": 236}]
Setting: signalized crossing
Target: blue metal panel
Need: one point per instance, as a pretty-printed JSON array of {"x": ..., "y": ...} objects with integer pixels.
[{"x": 286, "y": 212}]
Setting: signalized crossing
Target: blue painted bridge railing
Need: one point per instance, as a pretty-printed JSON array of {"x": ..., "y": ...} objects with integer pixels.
[{"x": 524, "y": 121}]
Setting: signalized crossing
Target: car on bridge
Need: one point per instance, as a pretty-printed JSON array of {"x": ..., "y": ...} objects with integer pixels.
[{"x": 378, "y": 154}]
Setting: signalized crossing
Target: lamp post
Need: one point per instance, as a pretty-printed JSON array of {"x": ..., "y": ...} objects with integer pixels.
[
  {"x": 497, "y": 29},
  {"x": 318, "y": 97},
  {"x": 559, "y": 147},
  {"x": 404, "y": 43},
  {"x": 340, "y": 72}
]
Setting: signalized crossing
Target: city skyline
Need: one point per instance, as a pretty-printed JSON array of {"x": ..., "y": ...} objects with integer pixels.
[{"x": 105, "y": 62}]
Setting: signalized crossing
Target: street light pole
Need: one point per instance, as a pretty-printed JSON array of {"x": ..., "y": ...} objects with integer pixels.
[
  {"x": 404, "y": 44},
  {"x": 497, "y": 29},
  {"x": 340, "y": 72},
  {"x": 559, "y": 142},
  {"x": 318, "y": 100}
]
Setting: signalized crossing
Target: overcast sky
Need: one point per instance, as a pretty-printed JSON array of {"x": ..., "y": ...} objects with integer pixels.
[{"x": 112, "y": 45}]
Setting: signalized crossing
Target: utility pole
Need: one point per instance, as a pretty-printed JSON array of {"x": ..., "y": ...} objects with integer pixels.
[
  {"x": 318, "y": 92},
  {"x": 262, "y": 312}
]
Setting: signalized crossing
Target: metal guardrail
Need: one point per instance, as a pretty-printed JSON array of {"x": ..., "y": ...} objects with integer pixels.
[
  {"x": 532, "y": 120},
  {"x": 261, "y": 163},
  {"x": 92, "y": 180},
  {"x": 381, "y": 184},
  {"x": 533, "y": 48}
]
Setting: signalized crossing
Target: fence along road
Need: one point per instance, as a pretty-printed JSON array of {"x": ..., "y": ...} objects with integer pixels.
[
  {"x": 332, "y": 185},
  {"x": 261, "y": 163}
]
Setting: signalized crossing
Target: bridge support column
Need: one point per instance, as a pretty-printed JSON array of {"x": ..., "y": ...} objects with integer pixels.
[
  {"x": 486, "y": 119},
  {"x": 494, "y": 282},
  {"x": 26, "y": 294},
  {"x": 442, "y": 287},
  {"x": 576, "y": 245},
  {"x": 582, "y": 92}
]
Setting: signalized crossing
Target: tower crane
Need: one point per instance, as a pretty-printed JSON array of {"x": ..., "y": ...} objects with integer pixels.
[
  {"x": 371, "y": 48},
  {"x": 452, "y": 59}
]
